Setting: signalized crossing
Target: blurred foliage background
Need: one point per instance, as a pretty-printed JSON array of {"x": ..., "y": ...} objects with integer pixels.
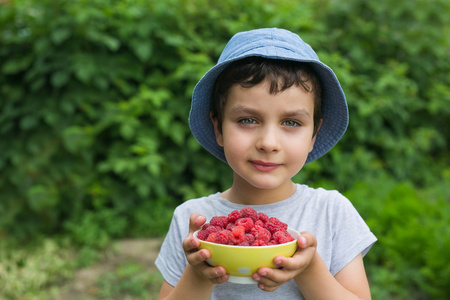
[{"x": 94, "y": 102}]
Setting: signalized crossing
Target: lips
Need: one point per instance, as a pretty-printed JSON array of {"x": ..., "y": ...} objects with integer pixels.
[{"x": 264, "y": 166}]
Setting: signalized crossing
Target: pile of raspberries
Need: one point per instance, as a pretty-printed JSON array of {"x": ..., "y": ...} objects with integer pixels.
[{"x": 245, "y": 228}]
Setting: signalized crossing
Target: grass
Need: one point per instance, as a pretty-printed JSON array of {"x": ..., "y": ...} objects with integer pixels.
[
  {"x": 47, "y": 269},
  {"x": 129, "y": 280},
  {"x": 26, "y": 272}
]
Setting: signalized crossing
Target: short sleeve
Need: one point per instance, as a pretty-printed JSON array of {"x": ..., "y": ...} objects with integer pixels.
[
  {"x": 171, "y": 260},
  {"x": 350, "y": 234}
]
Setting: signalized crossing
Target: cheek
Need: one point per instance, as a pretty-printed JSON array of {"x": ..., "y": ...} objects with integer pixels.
[
  {"x": 235, "y": 144},
  {"x": 299, "y": 150}
]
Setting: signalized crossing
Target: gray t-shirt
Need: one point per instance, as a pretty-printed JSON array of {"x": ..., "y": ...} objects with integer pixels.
[{"x": 340, "y": 231}]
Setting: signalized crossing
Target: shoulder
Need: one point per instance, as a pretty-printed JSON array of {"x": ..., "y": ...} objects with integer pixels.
[
  {"x": 327, "y": 204},
  {"x": 203, "y": 205},
  {"x": 321, "y": 196},
  {"x": 333, "y": 208}
]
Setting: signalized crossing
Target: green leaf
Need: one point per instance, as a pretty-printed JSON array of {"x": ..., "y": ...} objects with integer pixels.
[
  {"x": 60, "y": 35},
  {"x": 177, "y": 133},
  {"x": 42, "y": 197},
  {"x": 28, "y": 122},
  {"x": 15, "y": 65},
  {"x": 127, "y": 131},
  {"x": 60, "y": 78},
  {"x": 76, "y": 139},
  {"x": 143, "y": 49}
]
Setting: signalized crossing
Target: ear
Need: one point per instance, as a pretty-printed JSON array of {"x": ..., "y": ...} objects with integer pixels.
[
  {"x": 313, "y": 140},
  {"x": 217, "y": 130}
]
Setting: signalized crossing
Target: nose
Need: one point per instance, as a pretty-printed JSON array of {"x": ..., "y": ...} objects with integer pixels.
[{"x": 268, "y": 140}]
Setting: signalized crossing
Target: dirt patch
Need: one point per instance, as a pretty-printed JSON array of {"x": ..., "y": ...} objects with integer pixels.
[{"x": 139, "y": 251}]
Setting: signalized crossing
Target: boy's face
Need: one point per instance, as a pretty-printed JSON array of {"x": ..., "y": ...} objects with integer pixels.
[{"x": 266, "y": 138}]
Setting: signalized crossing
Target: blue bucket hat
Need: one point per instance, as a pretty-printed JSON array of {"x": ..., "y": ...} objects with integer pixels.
[{"x": 280, "y": 44}]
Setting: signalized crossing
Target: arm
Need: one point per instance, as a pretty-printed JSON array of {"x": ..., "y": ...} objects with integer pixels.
[
  {"x": 198, "y": 279},
  {"x": 312, "y": 277}
]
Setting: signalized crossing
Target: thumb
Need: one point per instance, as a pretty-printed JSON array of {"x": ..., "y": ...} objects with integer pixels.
[
  {"x": 195, "y": 222},
  {"x": 306, "y": 239}
]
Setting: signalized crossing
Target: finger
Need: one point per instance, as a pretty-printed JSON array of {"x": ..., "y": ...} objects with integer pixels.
[
  {"x": 198, "y": 257},
  {"x": 220, "y": 280},
  {"x": 301, "y": 258},
  {"x": 214, "y": 274},
  {"x": 307, "y": 239},
  {"x": 268, "y": 279},
  {"x": 190, "y": 243},
  {"x": 290, "y": 264},
  {"x": 195, "y": 222},
  {"x": 267, "y": 288},
  {"x": 218, "y": 275},
  {"x": 267, "y": 284}
]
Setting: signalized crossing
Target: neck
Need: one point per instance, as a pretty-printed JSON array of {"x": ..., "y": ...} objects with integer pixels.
[{"x": 250, "y": 195}]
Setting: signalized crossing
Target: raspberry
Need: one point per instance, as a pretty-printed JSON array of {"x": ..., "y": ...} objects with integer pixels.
[
  {"x": 237, "y": 235},
  {"x": 248, "y": 212},
  {"x": 220, "y": 221},
  {"x": 250, "y": 238},
  {"x": 274, "y": 225},
  {"x": 212, "y": 237},
  {"x": 222, "y": 237},
  {"x": 272, "y": 228},
  {"x": 212, "y": 229},
  {"x": 233, "y": 216},
  {"x": 258, "y": 243},
  {"x": 261, "y": 233},
  {"x": 202, "y": 235},
  {"x": 263, "y": 217},
  {"x": 290, "y": 237},
  {"x": 280, "y": 237},
  {"x": 259, "y": 223},
  {"x": 230, "y": 226},
  {"x": 278, "y": 223},
  {"x": 246, "y": 222},
  {"x": 245, "y": 228}
]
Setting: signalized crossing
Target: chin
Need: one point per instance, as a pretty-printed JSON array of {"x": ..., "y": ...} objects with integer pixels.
[{"x": 268, "y": 185}]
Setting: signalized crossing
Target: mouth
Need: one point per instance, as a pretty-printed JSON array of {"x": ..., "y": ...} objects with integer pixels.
[{"x": 264, "y": 166}]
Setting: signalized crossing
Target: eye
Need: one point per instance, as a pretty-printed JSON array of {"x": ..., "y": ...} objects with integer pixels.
[
  {"x": 247, "y": 121},
  {"x": 291, "y": 123}
]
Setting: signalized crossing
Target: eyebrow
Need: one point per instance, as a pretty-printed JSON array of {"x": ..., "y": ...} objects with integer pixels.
[
  {"x": 243, "y": 110},
  {"x": 298, "y": 113}
]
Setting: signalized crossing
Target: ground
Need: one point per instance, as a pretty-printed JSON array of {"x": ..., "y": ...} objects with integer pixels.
[{"x": 128, "y": 273}]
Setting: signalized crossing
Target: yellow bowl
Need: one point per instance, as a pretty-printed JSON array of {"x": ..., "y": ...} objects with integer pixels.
[{"x": 241, "y": 262}]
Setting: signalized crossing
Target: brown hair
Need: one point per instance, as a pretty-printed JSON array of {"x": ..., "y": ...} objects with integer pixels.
[{"x": 282, "y": 74}]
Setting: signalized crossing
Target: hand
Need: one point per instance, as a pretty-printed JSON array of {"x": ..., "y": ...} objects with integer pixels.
[
  {"x": 270, "y": 279},
  {"x": 197, "y": 258}
]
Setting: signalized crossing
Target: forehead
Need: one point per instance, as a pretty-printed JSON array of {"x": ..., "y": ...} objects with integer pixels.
[{"x": 292, "y": 99}]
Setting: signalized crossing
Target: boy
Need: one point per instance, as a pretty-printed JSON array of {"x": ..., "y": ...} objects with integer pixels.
[{"x": 268, "y": 107}]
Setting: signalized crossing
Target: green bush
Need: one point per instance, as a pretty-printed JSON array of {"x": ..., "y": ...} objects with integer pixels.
[
  {"x": 413, "y": 237},
  {"x": 94, "y": 108},
  {"x": 94, "y": 102},
  {"x": 393, "y": 62}
]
